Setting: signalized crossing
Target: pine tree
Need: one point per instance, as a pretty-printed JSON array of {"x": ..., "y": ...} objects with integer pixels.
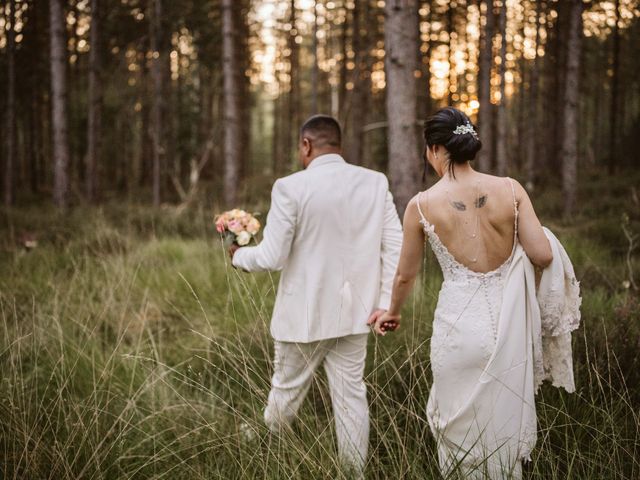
[{"x": 400, "y": 64}]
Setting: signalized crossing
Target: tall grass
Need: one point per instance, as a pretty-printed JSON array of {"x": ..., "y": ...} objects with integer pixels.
[{"x": 131, "y": 349}]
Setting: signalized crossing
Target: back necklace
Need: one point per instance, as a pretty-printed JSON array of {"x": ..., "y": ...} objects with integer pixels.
[{"x": 461, "y": 207}]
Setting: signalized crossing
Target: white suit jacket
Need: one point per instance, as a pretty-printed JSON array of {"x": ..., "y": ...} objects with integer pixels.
[{"x": 334, "y": 232}]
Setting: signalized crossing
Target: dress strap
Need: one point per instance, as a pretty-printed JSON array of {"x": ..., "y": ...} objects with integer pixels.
[
  {"x": 513, "y": 193},
  {"x": 515, "y": 209},
  {"x": 423, "y": 220}
]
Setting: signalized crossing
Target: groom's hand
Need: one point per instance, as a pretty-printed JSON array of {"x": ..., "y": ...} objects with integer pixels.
[
  {"x": 374, "y": 316},
  {"x": 233, "y": 249}
]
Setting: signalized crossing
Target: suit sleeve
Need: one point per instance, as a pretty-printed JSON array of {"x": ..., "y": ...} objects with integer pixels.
[
  {"x": 390, "y": 250},
  {"x": 278, "y": 234}
]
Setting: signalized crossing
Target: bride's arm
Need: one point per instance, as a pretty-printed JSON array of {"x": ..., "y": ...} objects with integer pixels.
[
  {"x": 408, "y": 267},
  {"x": 532, "y": 237}
]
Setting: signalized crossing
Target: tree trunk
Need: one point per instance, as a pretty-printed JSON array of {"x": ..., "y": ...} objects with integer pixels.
[
  {"x": 75, "y": 110},
  {"x": 168, "y": 115},
  {"x": 547, "y": 90},
  {"x": 522, "y": 87},
  {"x": 146, "y": 148},
  {"x": 571, "y": 94},
  {"x": 485, "y": 119},
  {"x": 400, "y": 63},
  {"x": 532, "y": 116},
  {"x": 424, "y": 61},
  {"x": 342, "y": 83},
  {"x": 359, "y": 95},
  {"x": 206, "y": 107},
  {"x": 276, "y": 136},
  {"x": 216, "y": 165},
  {"x": 232, "y": 134},
  {"x": 293, "y": 118},
  {"x": 11, "y": 108},
  {"x": 59, "y": 104},
  {"x": 314, "y": 67},
  {"x": 556, "y": 122},
  {"x": 242, "y": 33},
  {"x": 501, "y": 127},
  {"x": 95, "y": 105},
  {"x": 615, "y": 85},
  {"x": 157, "y": 140},
  {"x": 35, "y": 139},
  {"x": 35, "y": 47},
  {"x": 450, "y": 51}
]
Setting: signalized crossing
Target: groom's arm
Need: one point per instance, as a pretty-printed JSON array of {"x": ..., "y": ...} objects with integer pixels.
[
  {"x": 277, "y": 236},
  {"x": 390, "y": 250}
]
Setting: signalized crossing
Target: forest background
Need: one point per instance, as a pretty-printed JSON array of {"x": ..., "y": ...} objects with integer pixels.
[{"x": 129, "y": 348}]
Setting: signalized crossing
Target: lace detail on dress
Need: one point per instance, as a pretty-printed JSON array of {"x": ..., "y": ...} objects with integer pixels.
[
  {"x": 558, "y": 361},
  {"x": 559, "y": 302},
  {"x": 560, "y": 308},
  {"x": 440, "y": 345},
  {"x": 455, "y": 301},
  {"x": 451, "y": 268}
]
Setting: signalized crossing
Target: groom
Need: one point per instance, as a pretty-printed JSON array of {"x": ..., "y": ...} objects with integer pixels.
[{"x": 334, "y": 232}]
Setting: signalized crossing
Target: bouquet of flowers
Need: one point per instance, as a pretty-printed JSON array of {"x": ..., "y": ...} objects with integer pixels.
[{"x": 237, "y": 226}]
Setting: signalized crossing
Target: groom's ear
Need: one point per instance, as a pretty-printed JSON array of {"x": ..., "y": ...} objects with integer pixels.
[{"x": 306, "y": 146}]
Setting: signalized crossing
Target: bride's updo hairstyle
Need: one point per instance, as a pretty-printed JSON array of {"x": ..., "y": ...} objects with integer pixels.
[{"x": 452, "y": 129}]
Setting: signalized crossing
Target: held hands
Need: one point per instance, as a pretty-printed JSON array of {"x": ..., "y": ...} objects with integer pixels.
[{"x": 382, "y": 322}]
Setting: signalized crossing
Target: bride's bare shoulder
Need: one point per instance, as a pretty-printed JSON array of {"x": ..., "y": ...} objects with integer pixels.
[
  {"x": 427, "y": 196},
  {"x": 505, "y": 184},
  {"x": 487, "y": 177},
  {"x": 498, "y": 184},
  {"x": 428, "y": 202}
]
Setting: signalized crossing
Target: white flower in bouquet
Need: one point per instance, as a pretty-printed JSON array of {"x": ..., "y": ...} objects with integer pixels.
[
  {"x": 253, "y": 226},
  {"x": 243, "y": 238}
]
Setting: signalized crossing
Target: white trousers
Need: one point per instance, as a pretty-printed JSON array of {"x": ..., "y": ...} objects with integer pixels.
[{"x": 344, "y": 358}]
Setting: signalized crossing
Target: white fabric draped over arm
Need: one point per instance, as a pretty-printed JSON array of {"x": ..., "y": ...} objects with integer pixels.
[{"x": 559, "y": 301}]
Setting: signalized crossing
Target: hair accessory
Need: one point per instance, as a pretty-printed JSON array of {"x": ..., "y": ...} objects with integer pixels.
[{"x": 466, "y": 128}]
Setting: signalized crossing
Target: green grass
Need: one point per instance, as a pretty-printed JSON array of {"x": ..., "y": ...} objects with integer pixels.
[{"x": 130, "y": 349}]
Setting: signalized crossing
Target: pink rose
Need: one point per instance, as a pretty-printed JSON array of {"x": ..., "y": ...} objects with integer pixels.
[
  {"x": 235, "y": 226},
  {"x": 220, "y": 226}
]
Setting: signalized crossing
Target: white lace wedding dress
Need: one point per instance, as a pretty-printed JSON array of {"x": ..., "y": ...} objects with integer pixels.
[{"x": 486, "y": 357}]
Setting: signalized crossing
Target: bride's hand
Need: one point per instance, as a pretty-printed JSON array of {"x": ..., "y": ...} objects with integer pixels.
[{"x": 383, "y": 322}]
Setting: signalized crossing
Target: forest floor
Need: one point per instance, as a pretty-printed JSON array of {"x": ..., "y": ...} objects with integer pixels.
[{"x": 131, "y": 349}]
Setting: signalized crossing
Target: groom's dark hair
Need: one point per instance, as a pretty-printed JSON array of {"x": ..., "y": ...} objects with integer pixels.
[{"x": 323, "y": 129}]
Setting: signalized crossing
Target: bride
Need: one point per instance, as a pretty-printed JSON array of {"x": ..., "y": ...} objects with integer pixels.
[{"x": 489, "y": 332}]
